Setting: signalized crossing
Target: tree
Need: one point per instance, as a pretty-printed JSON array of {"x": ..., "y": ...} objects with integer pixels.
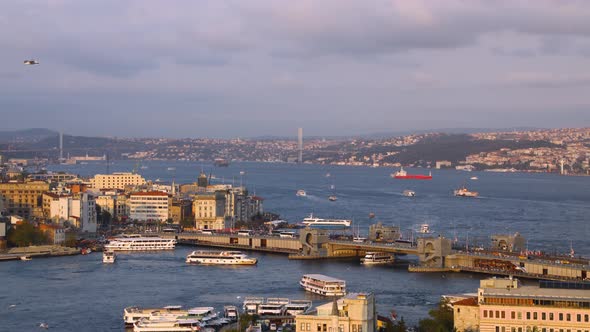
[
  {"x": 441, "y": 319},
  {"x": 188, "y": 222},
  {"x": 397, "y": 326},
  {"x": 26, "y": 234}
]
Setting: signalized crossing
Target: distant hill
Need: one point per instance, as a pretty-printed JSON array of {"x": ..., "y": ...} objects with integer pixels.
[{"x": 26, "y": 135}]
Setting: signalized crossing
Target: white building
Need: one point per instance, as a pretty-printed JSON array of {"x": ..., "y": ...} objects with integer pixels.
[
  {"x": 116, "y": 180},
  {"x": 149, "y": 206},
  {"x": 78, "y": 209}
]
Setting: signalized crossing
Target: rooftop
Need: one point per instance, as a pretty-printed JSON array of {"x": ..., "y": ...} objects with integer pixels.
[
  {"x": 323, "y": 278},
  {"x": 149, "y": 193}
]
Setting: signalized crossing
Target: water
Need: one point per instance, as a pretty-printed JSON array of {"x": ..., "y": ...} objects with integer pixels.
[{"x": 80, "y": 293}]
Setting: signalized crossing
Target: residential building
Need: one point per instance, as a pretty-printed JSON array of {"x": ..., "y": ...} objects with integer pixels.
[
  {"x": 180, "y": 209},
  {"x": 355, "y": 312},
  {"x": 247, "y": 207},
  {"x": 505, "y": 305},
  {"x": 23, "y": 198},
  {"x": 149, "y": 206},
  {"x": 79, "y": 210},
  {"x": 209, "y": 211},
  {"x": 116, "y": 180},
  {"x": 56, "y": 234},
  {"x": 443, "y": 164},
  {"x": 107, "y": 203}
]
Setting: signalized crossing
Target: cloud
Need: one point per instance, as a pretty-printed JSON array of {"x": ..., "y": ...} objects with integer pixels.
[{"x": 546, "y": 79}]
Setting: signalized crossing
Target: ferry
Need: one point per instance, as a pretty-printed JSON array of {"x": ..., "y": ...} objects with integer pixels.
[
  {"x": 108, "y": 256},
  {"x": 136, "y": 242},
  {"x": 230, "y": 312},
  {"x": 207, "y": 257},
  {"x": 312, "y": 221},
  {"x": 377, "y": 258},
  {"x": 273, "y": 306},
  {"x": 301, "y": 193},
  {"x": 402, "y": 174},
  {"x": 133, "y": 314},
  {"x": 251, "y": 304},
  {"x": 323, "y": 285},
  {"x": 167, "y": 324},
  {"x": 297, "y": 307},
  {"x": 409, "y": 193},
  {"x": 464, "y": 192}
]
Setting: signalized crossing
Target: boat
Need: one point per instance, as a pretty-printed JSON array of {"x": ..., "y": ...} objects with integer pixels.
[
  {"x": 323, "y": 285},
  {"x": 221, "y": 162},
  {"x": 230, "y": 312},
  {"x": 273, "y": 306},
  {"x": 474, "y": 178},
  {"x": 328, "y": 174},
  {"x": 301, "y": 193},
  {"x": 377, "y": 258},
  {"x": 25, "y": 258},
  {"x": 209, "y": 257},
  {"x": 424, "y": 229},
  {"x": 167, "y": 324},
  {"x": 136, "y": 242},
  {"x": 251, "y": 304},
  {"x": 402, "y": 174},
  {"x": 332, "y": 198},
  {"x": 171, "y": 168},
  {"x": 409, "y": 193},
  {"x": 133, "y": 314},
  {"x": 297, "y": 307},
  {"x": 108, "y": 256},
  {"x": 464, "y": 192},
  {"x": 312, "y": 221}
]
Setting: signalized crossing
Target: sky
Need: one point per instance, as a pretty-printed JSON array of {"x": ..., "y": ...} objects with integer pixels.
[{"x": 235, "y": 68}]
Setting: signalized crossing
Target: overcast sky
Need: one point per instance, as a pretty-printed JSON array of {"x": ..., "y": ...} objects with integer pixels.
[{"x": 334, "y": 67}]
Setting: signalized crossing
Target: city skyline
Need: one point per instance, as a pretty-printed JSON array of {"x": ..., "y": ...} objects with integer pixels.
[{"x": 234, "y": 69}]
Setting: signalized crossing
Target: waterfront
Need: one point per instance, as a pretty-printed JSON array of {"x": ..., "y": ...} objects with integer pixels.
[{"x": 80, "y": 293}]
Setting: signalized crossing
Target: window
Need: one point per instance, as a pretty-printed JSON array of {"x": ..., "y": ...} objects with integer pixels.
[
  {"x": 528, "y": 315},
  {"x": 568, "y": 317},
  {"x": 360, "y": 328},
  {"x": 535, "y": 316},
  {"x": 512, "y": 315},
  {"x": 319, "y": 327},
  {"x": 550, "y": 316},
  {"x": 485, "y": 314},
  {"x": 543, "y": 316},
  {"x": 353, "y": 327},
  {"x": 560, "y": 316},
  {"x": 302, "y": 326},
  {"x": 503, "y": 314}
]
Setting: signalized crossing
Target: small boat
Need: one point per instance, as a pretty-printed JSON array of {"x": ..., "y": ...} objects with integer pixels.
[
  {"x": 464, "y": 192},
  {"x": 332, "y": 198},
  {"x": 171, "y": 168},
  {"x": 301, "y": 193},
  {"x": 377, "y": 258},
  {"x": 409, "y": 193},
  {"x": 328, "y": 174},
  {"x": 25, "y": 258},
  {"x": 108, "y": 257},
  {"x": 424, "y": 229},
  {"x": 474, "y": 178},
  {"x": 85, "y": 251}
]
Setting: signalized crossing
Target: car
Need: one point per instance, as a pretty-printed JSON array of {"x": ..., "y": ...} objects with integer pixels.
[{"x": 31, "y": 62}]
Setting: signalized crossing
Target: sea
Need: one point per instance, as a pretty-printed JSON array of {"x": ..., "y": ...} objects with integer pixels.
[{"x": 80, "y": 293}]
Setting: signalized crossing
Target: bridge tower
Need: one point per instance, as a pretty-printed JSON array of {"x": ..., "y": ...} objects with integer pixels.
[
  {"x": 313, "y": 241},
  {"x": 433, "y": 250}
]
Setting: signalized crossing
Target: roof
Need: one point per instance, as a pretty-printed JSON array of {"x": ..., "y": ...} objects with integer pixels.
[
  {"x": 472, "y": 301},
  {"x": 323, "y": 277},
  {"x": 537, "y": 292},
  {"x": 149, "y": 193}
]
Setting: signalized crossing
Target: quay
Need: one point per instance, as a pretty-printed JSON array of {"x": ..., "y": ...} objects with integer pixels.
[
  {"x": 38, "y": 251},
  {"x": 434, "y": 253}
]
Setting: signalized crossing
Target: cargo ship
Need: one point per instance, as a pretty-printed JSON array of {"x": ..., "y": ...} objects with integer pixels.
[{"x": 402, "y": 174}]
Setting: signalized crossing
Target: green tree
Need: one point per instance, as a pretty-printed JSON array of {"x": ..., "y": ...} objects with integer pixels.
[
  {"x": 441, "y": 319},
  {"x": 397, "y": 326},
  {"x": 188, "y": 222},
  {"x": 26, "y": 234}
]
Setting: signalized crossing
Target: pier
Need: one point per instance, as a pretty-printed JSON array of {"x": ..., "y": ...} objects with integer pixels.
[{"x": 434, "y": 253}]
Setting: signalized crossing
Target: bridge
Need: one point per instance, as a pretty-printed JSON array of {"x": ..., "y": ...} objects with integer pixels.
[{"x": 435, "y": 254}]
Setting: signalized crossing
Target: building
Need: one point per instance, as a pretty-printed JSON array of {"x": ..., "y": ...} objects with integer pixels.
[
  {"x": 107, "y": 203},
  {"x": 55, "y": 234},
  {"x": 505, "y": 305},
  {"x": 149, "y": 206},
  {"x": 383, "y": 233},
  {"x": 353, "y": 313},
  {"x": 78, "y": 210},
  {"x": 116, "y": 180},
  {"x": 248, "y": 207},
  {"x": 209, "y": 211},
  {"x": 23, "y": 199},
  {"x": 180, "y": 209},
  {"x": 443, "y": 164}
]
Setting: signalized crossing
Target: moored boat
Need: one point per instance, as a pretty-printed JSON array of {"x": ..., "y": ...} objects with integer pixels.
[
  {"x": 25, "y": 258},
  {"x": 133, "y": 314},
  {"x": 136, "y": 242},
  {"x": 377, "y": 258},
  {"x": 323, "y": 285},
  {"x": 167, "y": 324},
  {"x": 209, "y": 257}
]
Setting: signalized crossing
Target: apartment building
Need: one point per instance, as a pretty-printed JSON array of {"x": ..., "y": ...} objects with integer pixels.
[
  {"x": 149, "y": 206},
  {"x": 209, "y": 211},
  {"x": 116, "y": 180},
  {"x": 23, "y": 199}
]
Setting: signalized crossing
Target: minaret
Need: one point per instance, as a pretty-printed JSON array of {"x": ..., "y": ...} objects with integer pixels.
[{"x": 300, "y": 140}]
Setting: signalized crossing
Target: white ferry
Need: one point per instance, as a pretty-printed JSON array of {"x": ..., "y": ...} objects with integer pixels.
[
  {"x": 376, "y": 258},
  {"x": 273, "y": 306},
  {"x": 220, "y": 258},
  {"x": 167, "y": 324},
  {"x": 230, "y": 312},
  {"x": 315, "y": 222},
  {"x": 251, "y": 304},
  {"x": 108, "y": 256},
  {"x": 136, "y": 242},
  {"x": 297, "y": 307},
  {"x": 301, "y": 193},
  {"x": 463, "y": 192},
  {"x": 133, "y": 314},
  {"x": 323, "y": 285}
]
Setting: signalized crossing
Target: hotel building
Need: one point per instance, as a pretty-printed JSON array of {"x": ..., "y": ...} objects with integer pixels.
[
  {"x": 354, "y": 312},
  {"x": 116, "y": 180},
  {"x": 505, "y": 305},
  {"x": 149, "y": 206}
]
